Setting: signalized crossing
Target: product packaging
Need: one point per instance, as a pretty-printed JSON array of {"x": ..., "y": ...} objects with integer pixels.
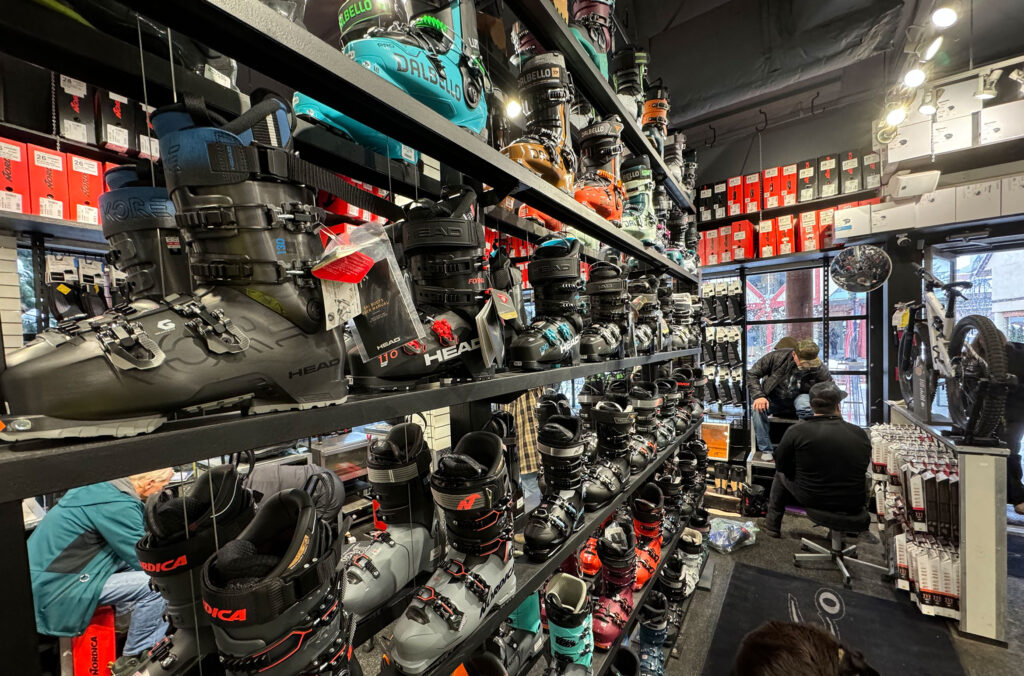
[
  {"x": 727, "y": 535},
  {"x": 115, "y": 122},
  {"x": 849, "y": 163},
  {"x": 76, "y": 110},
  {"x": 788, "y": 183},
  {"x": 743, "y": 240},
  {"x": 705, "y": 203},
  {"x": 85, "y": 184},
  {"x": 871, "y": 170},
  {"x": 786, "y": 237},
  {"x": 767, "y": 242},
  {"x": 807, "y": 180},
  {"x": 734, "y": 196},
  {"x": 14, "y": 190},
  {"x": 25, "y": 94},
  {"x": 48, "y": 182},
  {"x": 826, "y": 227},
  {"x": 752, "y": 193},
  {"x": 720, "y": 200},
  {"x": 828, "y": 176},
  {"x": 771, "y": 187}
]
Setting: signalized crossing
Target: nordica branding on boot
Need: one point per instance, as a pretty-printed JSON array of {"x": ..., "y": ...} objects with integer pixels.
[
  {"x": 134, "y": 207},
  {"x": 428, "y": 73},
  {"x": 224, "y": 614},
  {"x": 165, "y": 566},
  {"x": 497, "y": 588},
  {"x": 94, "y": 654},
  {"x": 313, "y": 368},
  {"x": 531, "y": 76}
]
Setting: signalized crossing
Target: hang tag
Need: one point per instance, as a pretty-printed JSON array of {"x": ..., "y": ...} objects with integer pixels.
[
  {"x": 503, "y": 305},
  {"x": 638, "y": 302},
  {"x": 343, "y": 264},
  {"x": 341, "y": 302}
]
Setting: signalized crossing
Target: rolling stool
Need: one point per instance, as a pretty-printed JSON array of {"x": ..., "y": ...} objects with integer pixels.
[{"x": 837, "y": 524}]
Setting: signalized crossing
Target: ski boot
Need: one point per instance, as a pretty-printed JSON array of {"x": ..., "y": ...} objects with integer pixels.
[
  {"x": 638, "y": 218},
  {"x": 591, "y": 393},
  {"x": 644, "y": 292},
  {"x": 629, "y": 78},
  {"x": 553, "y": 338},
  {"x": 145, "y": 243},
  {"x": 512, "y": 648},
  {"x": 690, "y": 169},
  {"x": 432, "y": 54},
  {"x": 526, "y": 212},
  {"x": 673, "y": 156},
  {"x": 672, "y": 584},
  {"x": 610, "y": 471},
  {"x": 470, "y": 485},
  {"x": 592, "y": 25},
  {"x": 181, "y": 534},
  {"x": 699, "y": 521},
  {"x": 560, "y": 512},
  {"x": 444, "y": 248},
  {"x": 546, "y": 148},
  {"x": 655, "y": 118},
  {"x": 692, "y": 545},
  {"x": 397, "y": 468},
  {"x": 677, "y": 513},
  {"x": 569, "y": 622},
  {"x": 599, "y": 185},
  {"x": 648, "y": 512},
  {"x": 549, "y": 404},
  {"x": 645, "y": 400},
  {"x": 256, "y": 316},
  {"x": 606, "y": 291},
  {"x": 617, "y": 549},
  {"x": 650, "y": 639},
  {"x": 589, "y": 560},
  {"x": 625, "y": 663},
  {"x": 527, "y": 615},
  {"x": 274, "y": 594}
]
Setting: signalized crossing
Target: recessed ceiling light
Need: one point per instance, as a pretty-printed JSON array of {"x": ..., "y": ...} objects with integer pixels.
[
  {"x": 945, "y": 15},
  {"x": 915, "y": 77}
]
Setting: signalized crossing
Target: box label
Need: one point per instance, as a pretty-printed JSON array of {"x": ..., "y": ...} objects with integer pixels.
[
  {"x": 719, "y": 187},
  {"x": 10, "y": 152},
  {"x": 48, "y": 160},
  {"x": 771, "y": 202},
  {"x": 10, "y": 201},
  {"x": 118, "y": 97},
  {"x": 829, "y": 190},
  {"x": 73, "y": 86},
  {"x": 789, "y": 169},
  {"x": 830, "y": 163},
  {"x": 771, "y": 173},
  {"x": 752, "y": 178},
  {"x": 735, "y": 181},
  {"x": 74, "y": 131},
  {"x": 117, "y": 137},
  {"x": 51, "y": 208},
  {"x": 806, "y": 173},
  {"x": 87, "y": 214},
  {"x": 850, "y": 164},
  {"x": 84, "y": 166},
  {"x": 705, "y": 193}
]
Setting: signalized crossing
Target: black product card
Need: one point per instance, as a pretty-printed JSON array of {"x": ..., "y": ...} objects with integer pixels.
[
  {"x": 942, "y": 491},
  {"x": 931, "y": 503},
  {"x": 849, "y": 169},
  {"x": 25, "y": 94},
  {"x": 383, "y": 324},
  {"x": 116, "y": 122},
  {"x": 719, "y": 200},
  {"x": 954, "y": 508},
  {"x": 807, "y": 180},
  {"x": 76, "y": 110},
  {"x": 871, "y": 170},
  {"x": 705, "y": 202},
  {"x": 828, "y": 176}
]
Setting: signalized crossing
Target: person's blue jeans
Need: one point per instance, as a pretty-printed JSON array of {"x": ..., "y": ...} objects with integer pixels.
[
  {"x": 801, "y": 405},
  {"x": 129, "y": 592}
]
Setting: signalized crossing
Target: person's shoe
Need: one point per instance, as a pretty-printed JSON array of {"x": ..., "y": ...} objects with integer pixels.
[
  {"x": 763, "y": 526},
  {"x": 1019, "y": 508},
  {"x": 767, "y": 456},
  {"x": 125, "y": 665}
]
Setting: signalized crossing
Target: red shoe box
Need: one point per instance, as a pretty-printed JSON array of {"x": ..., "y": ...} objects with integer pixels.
[
  {"x": 711, "y": 246},
  {"x": 85, "y": 183},
  {"x": 785, "y": 234},
  {"x": 767, "y": 240},
  {"x": 724, "y": 242},
  {"x": 734, "y": 196},
  {"x": 873, "y": 200},
  {"x": 807, "y": 180},
  {"x": 826, "y": 228},
  {"x": 743, "y": 241},
  {"x": 47, "y": 182},
  {"x": 788, "y": 185},
  {"x": 702, "y": 252},
  {"x": 828, "y": 176},
  {"x": 752, "y": 193},
  {"x": 14, "y": 191},
  {"x": 808, "y": 231},
  {"x": 771, "y": 188}
]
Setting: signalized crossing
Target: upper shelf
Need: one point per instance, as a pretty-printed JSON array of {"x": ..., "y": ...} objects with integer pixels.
[
  {"x": 541, "y": 18},
  {"x": 54, "y": 227},
  {"x": 280, "y": 49},
  {"x": 812, "y": 205}
]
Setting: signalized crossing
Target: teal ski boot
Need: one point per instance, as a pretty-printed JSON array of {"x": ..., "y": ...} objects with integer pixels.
[
  {"x": 570, "y": 624},
  {"x": 592, "y": 25}
]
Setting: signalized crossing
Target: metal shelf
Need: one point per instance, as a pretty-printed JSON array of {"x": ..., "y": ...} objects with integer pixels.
[
  {"x": 35, "y": 467},
  {"x": 541, "y": 18},
  {"x": 530, "y": 576},
  {"x": 934, "y": 430},
  {"x": 813, "y": 205},
  {"x": 54, "y": 227},
  {"x": 505, "y": 221},
  {"x": 266, "y": 41}
]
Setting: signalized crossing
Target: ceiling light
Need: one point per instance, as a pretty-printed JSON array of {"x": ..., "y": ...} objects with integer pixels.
[
  {"x": 1017, "y": 75},
  {"x": 932, "y": 50},
  {"x": 928, "y": 103},
  {"x": 945, "y": 15},
  {"x": 513, "y": 109},
  {"x": 987, "y": 85},
  {"x": 896, "y": 116},
  {"x": 914, "y": 78}
]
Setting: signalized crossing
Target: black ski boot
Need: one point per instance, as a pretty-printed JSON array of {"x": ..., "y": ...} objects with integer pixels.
[
  {"x": 553, "y": 338},
  {"x": 470, "y": 485},
  {"x": 673, "y": 156},
  {"x": 551, "y": 403},
  {"x": 608, "y": 302},
  {"x": 648, "y": 331},
  {"x": 560, "y": 443},
  {"x": 274, "y": 594},
  {"x": 629, "y": 78},
  {"x": 181, "y": 533},
  {"x": 667, "y": 412},
  {"x": 591, "y": 394},
  {"x": 645, "y": 400},
  {"x": 610, "y": 472},
  {"x": 398, "y": 468},
  {"x": 503, "y": 424},
  {"x": 254, "y": 325}
]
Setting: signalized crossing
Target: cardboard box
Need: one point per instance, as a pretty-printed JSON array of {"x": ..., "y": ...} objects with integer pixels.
[
  {"x": 85, "y": 184},
  {"x": 724, "y": 242},
  {"x": 48, "y": 182},
  {"x": 893, "y": 216},
  {"x": 705, "y": 203},
  {"x": 767, "y": 242},
  {"x": 788, "y": 184},
  {"x": 849, "y": 167},
  {"x": 752, "y": 193},
  {"x": 873, "y": 200},
  {"x": 1012, "y": 199},
  {"x": 744, "y": 241},
  {"x": 720, "y": 200},
  {"x": 702, "y": 249},
  {"x": 953, "y": 134},
  {"x": 1001, "y": 123},
  {"x": 771, "y": 187},
  {"x": 911, "y": 140},
  {"x": 853, "y": 222},
  {"x": 25, "y": 94},
  {"x": 76, "y": 110},
  {"x": 978, "y": 200},
  {"x": 828, "y": 176},
  {"x": 871, "y": 170},
  {"x": 116, "y": 122},
  {"x": 786, "y": 236},
  {"x": 937, "y": 208},
  {"x": 14, "y": 191},
  {"x": 957, "y": 100},
  {"x": 807, "y": 180},
  {"x": 807, "y": 231},
  {"x": 711, "y": 246},
  {"x": 826, "y": 227},
  {"x": 149, "y": 146},
  {"x": 734, "y": 196}
]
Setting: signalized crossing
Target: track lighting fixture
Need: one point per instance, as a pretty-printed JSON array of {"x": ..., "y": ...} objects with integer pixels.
[
  {"x": 987, "y": 84},
  {"x": 932, "y": 50},
  {"x": 896, "y": 115},
  {"x": 929, "y": 102},
  {"x": 945, "y": 14},
  {"x": 914, "y": 78}
]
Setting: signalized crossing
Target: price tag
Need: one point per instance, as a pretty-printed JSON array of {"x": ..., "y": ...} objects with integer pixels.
[
  {"x": 10, "y": 201},
  {"x": 220, "y": 78},
  {"x": 10, "y": 152},
  {"x": 849, "y": 165},
  {"x": 84, "y": 166},
  {"x": 73, "y": 86},
  {"x": 806, "y": 173},
  {"x": 341, "y": 302},
  {"x": 74, "y": 131},
  {"x": 51, "y": 208},
  {"x": 117, "y": 137},
  {"x": 48, "y": 160},
  {"x": 408, "y": 154},
  {"x": 771, "y": 173},
  {"x": 87, "y": 214},
  {"x": 828, "y": 164},
  {"x": 342, "y": 264}
]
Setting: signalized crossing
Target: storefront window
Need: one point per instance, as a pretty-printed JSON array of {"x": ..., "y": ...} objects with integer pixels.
[{"x": 793, "y": 294}]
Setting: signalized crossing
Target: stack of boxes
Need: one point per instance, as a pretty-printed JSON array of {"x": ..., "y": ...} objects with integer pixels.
[{"x": 10, "y": 293}]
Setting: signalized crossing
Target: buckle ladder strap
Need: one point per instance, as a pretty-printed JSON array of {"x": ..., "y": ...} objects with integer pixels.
[
  {"x": 363, "y": 562},
  {"x": 441, "y": 605},
  {"x": 456, "y": 266},
  {"x": 474, "y": 583},
  {"x": 117, "y": 336},
  {"x": 213, "y": 326},
  {"x": 442, "y": 297},
  {"x": 393, "y": 475}
]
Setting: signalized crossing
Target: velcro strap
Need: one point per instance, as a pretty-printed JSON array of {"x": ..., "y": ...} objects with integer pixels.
[
  {"x": 598, "y": 286},
  {"x": 570, "y": 452},
  {"x": 565, "y": 267},
  {"x": 393, "y": 475},
  {"x": 442, "y": 297},
  {"x": 420, "y": 267},
  {"x": 441, "y": 233}
]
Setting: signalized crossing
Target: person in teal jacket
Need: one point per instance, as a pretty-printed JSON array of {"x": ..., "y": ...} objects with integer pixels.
[{"x": 82, "y": 555}]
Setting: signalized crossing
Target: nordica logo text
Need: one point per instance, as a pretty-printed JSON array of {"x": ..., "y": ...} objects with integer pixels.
[
  {"x": 495, "y": 590},
  {"x": 164, "y": 566},
  {"x": 224, "y": 614},
  {"x": 428, "y": 73},
  {"x": 313, "y": 368},
  {"x": 94, "y": 654}
]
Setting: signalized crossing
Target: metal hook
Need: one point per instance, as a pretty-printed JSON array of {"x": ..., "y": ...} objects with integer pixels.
[
  {"x": 764, "y": 125},
  {"x": 813, "y": 99},
  {"x": 714, "y": 137}
]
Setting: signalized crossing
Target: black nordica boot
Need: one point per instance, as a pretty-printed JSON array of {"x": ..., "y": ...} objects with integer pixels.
[
  {"x": 181, "y": 534},
  {"x": 444, "y": 249},
  {"x": 608, "y": 301},
  {"x": 553, "y": 338},
  {"x": 274, "y": 594},
  {"x": 470, "y": 485},
  {"x": 560, "y": 443},
  {"x": 398, "y": 468},
  {"x": 251, "y": 336},
  {"x": 610, "y": 472}
]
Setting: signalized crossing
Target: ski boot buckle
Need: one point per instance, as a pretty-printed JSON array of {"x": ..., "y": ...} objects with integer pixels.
[{"x": 442, "y": 606}]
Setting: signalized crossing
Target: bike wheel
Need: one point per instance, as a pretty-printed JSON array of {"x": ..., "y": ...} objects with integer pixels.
[
  {"x": 977, "y": 350},
  {"x": 915, "y": 350}
]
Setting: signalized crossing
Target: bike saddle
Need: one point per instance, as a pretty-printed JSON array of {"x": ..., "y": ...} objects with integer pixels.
[{"x": 955, "y": 285}]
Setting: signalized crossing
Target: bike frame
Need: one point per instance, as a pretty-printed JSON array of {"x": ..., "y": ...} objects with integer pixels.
[{"x": 940, "y": 331}]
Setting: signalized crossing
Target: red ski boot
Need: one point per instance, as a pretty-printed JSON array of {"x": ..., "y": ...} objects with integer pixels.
[
  {"x": 648, "y": 511},
  {"x": 617, "y": 549}
]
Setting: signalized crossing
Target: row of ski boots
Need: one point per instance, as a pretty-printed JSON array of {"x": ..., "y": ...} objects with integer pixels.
[
  {"x": 729, "y": 479},
  {"x": 723, "y": 301},
  {"x": 723, "y": 346},
  {"x": 74, "y": 287},
  {"x": 725, "y": 386}
]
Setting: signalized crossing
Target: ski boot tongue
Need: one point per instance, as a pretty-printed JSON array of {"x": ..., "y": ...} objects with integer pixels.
[
  {"x": 166, "y": 518},
  {"x": 461, "y": 466},
  {"x": 240, "y": 565}
]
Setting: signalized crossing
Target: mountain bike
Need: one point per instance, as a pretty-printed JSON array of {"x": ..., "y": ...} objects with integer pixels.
[{"x": 970, "y": 355}]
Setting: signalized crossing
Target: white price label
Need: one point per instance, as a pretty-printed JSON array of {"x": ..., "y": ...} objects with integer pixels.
[
  {"x": 829, "y": 190},
  {"x": 771, "y": 202},
  {"x": 719, "y": 212},
  {"x": 734, "y": 210},
  {"x": 771, "y": 173},
  {"x": 341, "y": 302},
  {"x": 735, "y": 181},
  {"x": 74, "y": 131},
  {"x": 87, "y": 214},
  {"x": 807, "y": 194},
  {"x": 752, "y": 178},
  {"x": 765, "y": 226},
  {"x": 872, "y": 181},
  {"x": 117, "y": 137},
  {"x": 785, "y": 248},
  {"x": 51, "y": 208},
  {"x": 806, "y": 173},
  {"x": 48, "y": 160},
  {"x": 10, "y": 152},
  {"x": 73, "y": 86},
  {"x": 849, "y": 165},
  {"x": 84, "y": 166},
  {"x": 10, "y": 201},
  {"x": 705, "y": 193},
  {"x": 739, "y": 235},
  {"x": 117, "y": 97},
  {"x": 719, "y": 187},
  {"x": 408, "y": 154},
  {"x": 789, "y": 169},
  {"x": 220, "y": 78},
  {"x": 830, "y": 163},
  {"x": 871, "y": 158}
]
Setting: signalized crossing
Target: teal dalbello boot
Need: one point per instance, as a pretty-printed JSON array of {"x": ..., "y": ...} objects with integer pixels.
[
  {"x": 431, "y": 53},
  {"x": 592, "y": 25}
]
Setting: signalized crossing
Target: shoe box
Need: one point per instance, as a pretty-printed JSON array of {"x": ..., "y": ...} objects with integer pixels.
[
  {"x": 771, "y": 187},
  {"x": 1001, "y": 123},
  {"x": 956, "y": 100},
  {"x": 734, "y": 196},
  {"x": 976, "y": 201},
  {"x": 25, "y": 94},
  {"x": 788, "y": 180},
  {"x": 14, "y": 183},
  {"x": 955, "y": 133},
  {"x": 85, "y": 184},
  {"x": 853, "y": 221},
  {"x": 1012, "y": 198},
  {"x": 893, "y": 216},
  {"x": 851, "y": 178},
  {"x": 117, "y": 119},
  {"x": 871, "y": 170},
  {"x": 786, "y": 235},
  {"x": 743, "y": 241},
  {"x": 807, "y": 180},
  {"x": 752, "y": 193},
  {"x": 719, "y": 200},
  {"x": 710, "y": 240},
  {"x": 828, "y": 176},
  {"x": 808, "y": 234},
  {"x": 937, "y": 207},
  {"x": 826, "y": 227},
  {"x": 149, "y": 146},
  {"x": 48, "y": 182},
  {"x": 724, "y": 243},
  {"x": 911, "y": 140},
  {"x": 767, "y": 243},
  {"x": 76, "y": 110},
  {"x": 705, "y": 203}
]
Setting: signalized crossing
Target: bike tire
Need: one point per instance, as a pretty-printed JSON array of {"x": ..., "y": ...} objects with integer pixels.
[
  {"x": 991, "y": 343},
  {"x": 914, "y": 342}
]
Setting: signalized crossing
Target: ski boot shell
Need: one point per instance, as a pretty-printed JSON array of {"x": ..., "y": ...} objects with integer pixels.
[
  {"x": 648, "y": 512},
  {"x": 654, "y": 614},
  {"x": 638, "y": 218},
  {"x": 610, "y": 472},
  {"x": 592, "y": 25},
  {"x": 607, "y": 335},
  {"x": 654, "y": 120},
  {"x": 569, "y": 620},
  {"x": 629, "y": 77},
  {"x": 560, "y": 513},
  {"x": 598, "y": 184},
  {"x": 617, "y": 549}
]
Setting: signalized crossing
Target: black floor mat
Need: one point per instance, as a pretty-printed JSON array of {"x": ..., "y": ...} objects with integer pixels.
[
  {"x": 894, "y": 637},
  {"x": 1015, "y": 556}
]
